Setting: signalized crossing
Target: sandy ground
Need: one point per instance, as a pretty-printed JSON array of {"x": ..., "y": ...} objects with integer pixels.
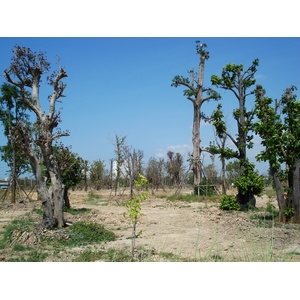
[{"x": 199, "y": 230}]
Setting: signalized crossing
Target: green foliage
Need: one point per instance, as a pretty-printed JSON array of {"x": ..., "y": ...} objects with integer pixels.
[
  {"x": 272, "y": 210},
  {"x": 97, "y": 172},
  {"x": 33, "y": 256},
  {"x": 229, "y": 203},
  {"x": 70, "y": 164},
  {"x": 249, "y": 182},
  {"x": 12, "y": 111},
  {"x": 88, "y": 232},
  {"x": 134, "y": 205},
  {"x": 289, "y": 212}
]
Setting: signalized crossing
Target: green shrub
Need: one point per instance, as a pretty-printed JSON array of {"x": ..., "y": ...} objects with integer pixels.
[
  {"x": 229, "y": 203},
  {"x": 88, "y": 233},
  {"x": 249, "y": 182}
]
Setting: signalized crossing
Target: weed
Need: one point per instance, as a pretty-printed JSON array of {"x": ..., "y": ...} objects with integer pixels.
[{"x": 92, "y": 196}]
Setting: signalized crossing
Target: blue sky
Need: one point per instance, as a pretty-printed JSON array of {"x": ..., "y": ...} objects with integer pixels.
[{"x": 122, "y": 86}]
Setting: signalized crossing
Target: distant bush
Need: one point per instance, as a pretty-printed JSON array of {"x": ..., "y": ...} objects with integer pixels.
[{"x": 229, "y": 203}]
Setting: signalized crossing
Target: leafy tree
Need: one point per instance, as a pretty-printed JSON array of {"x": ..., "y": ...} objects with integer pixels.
[
  {"x": 97, "y": 173},
  {"x": 71, "y": 169},
  {"x": 280, "y": 133},
  {"x": 12, "y": 110},
  {"x": 197, "y": 94},
  {"x": 238, "y": 81},
  {"x": 155, "y": 172},
  {"x": 134, "y": 209},
  {"x": 25, "y": 73}
]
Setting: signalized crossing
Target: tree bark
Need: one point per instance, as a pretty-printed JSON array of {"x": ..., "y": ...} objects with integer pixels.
[
  {"x": 296, "y": 193},
  {"x": 196, "y": 144}
]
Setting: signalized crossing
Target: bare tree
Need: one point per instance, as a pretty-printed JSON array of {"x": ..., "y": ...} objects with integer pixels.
[
  {"x": 155, "y": 172},
  {"x": 175, "y": 167},
  {"x": 119, "y": 160},
  {"x": 132, "y": 164},
  {"x": 25, "y": 73},
  {"x": 195, "y": 93}
]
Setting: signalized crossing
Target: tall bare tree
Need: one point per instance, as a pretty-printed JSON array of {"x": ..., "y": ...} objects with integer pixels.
[
  {"x": 132, "y": 165},
  {"x": 175, "y": 167},
  {"x": 197, "y": 94},
  {"x": 25, "y": 72}
]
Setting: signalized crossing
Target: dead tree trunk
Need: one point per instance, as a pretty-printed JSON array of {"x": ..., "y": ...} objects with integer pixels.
[{"x": 195, "y": 94}]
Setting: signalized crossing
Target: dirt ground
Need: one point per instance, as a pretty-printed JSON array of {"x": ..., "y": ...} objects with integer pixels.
[{"x": 199, "y": 230}]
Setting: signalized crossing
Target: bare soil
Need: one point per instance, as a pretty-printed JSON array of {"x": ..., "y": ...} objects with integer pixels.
[{"x": 197, "y": 231}]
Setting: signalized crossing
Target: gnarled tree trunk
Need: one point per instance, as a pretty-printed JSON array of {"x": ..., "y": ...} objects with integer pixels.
[{"x": 28, "y": 67}]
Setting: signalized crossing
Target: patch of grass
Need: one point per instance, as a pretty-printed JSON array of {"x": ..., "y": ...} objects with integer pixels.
[
  {"x": 173, "y": 257},
  {"x": 110, "y": 255},
  {"x": 194, "y": 198},
  {"x": 32, "y": 256},
  {"x": 92, "y": 195},
  {"x": 101, "y": 202},
  {"x": 270, "y": 192},
  {"x": 19, "y": 247},
  {"x": 77, "y": 211},
  {"x": 266, "y": 219},
  {"x": 82, "y": 233},
  {"x": 38, "y": 212},
  {"x": 89, "y": 256},
  {"x": 25, "y": 224}
]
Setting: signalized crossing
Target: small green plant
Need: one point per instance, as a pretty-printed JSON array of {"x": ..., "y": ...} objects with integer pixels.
[
  {"x": 229, "y": 203},
  {"x": 134, "y": 209},
  {"x": 288, "y": 213},
  {"x": 272, "y": 210}
]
